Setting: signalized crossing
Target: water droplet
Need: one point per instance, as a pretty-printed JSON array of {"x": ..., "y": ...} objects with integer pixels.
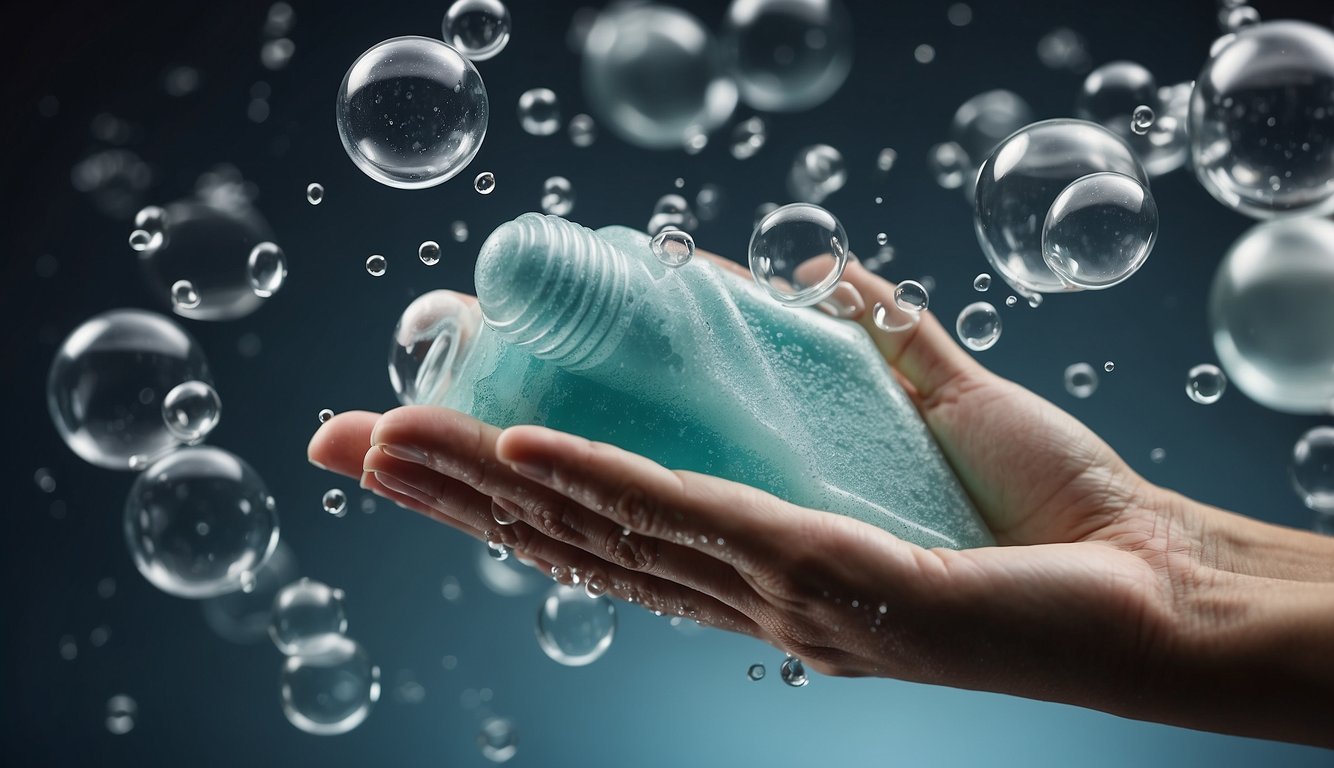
[
  {"x": 479, "y": 29},
  {"x": 911, "y": 296},
  {"x": 748, "y": 137},
  {"x": 557, "y": 196},
  {"x": 1205, "y": 384},
  {"x": 376, "y": 265},
  {"x": 314, "y": 193},
  {"x": 798, "y": 253},
  {"x": 583, "y": 131},
  {"x": 1081, "y": 380},
  {"x": 673, "y": 247},
  {"x": 184, "y": 295},
  {"x": 306, "y": 616},
  {"x": 574, "y": 629},
  {"x": 755, "y": 672},
  {"x": 982, "y": 283},
  {"x": 429, "y": 253},
  {"x": 122, "y": 712},
  {"x": 325, "y": 414},
  {"x": 412, "y": 112},
  {"x": 793, "y": 672},
  {"x": 539, "y": 112},
  {"x": 484, "y": 183},
  {"x": 497, "y": 551},
  {"x": 1109, "y": 366},
  {"x": 266, "y": 268},
  {"x": 498, "y": 739},
  {"x": 978, "y": 326},
  {"x": 1141, "y": 120},
  {"x": 330, "y": 690},
  {"x": 191, "y": 410},
  {"x": 335, "y": 502},
  {"x": 1312, "y": 469}
]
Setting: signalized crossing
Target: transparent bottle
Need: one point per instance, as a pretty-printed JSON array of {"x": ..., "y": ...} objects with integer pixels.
[{"x": 696, "y": 368}]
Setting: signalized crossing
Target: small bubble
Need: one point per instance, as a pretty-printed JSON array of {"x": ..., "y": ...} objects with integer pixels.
[
  {"x": 325, "y": 415},
  {"x": 673, "y": 247},
  {"x": 539, "y": 112},
  {"x": 982, "y": 283},
  {"x": 583, "y": 131},
  {"x": 978, "y": 326},
  {"x": 191, "y": 410},
  {"x": 375, "y": 265},
  {"x": 275, "y": 54},
  {"x": 1141, "y": 120},
  {"x": 266, "y": 269},
  {"x": 484, "y": 183},
  {"x": 45, "y": 480},
  {"x": 121, "y": 714},
  {"x": 748, "y": 138},
  {"x": 1109, "y": 366},
  {"x": 884, "y": 161},
  {"x": 881, "y": 238},
  {"x": 184, "y": 295},
  {"x": 911, "y": 296},
  {"x": 1081, "y": 380},
  {"x": 314, "y": 193},
  {"x": 1312, "y": 469},
  {"x": 1158, "y": 455},
  {"x": 959, "y": 14},
  {"x": 755, "y": 672},
  {"x": 429, "y": 253},
  {"x": 450, "y": 589},
  {"x": 949, "y": 165},
  {"x": 793, "y": 672},
  {"x": 335, "y": 502},
  {"x": 459, "y": 231},
  {"x": 925, "y": 54},
  {"x": 140, "y": 240},
  {"x": 557, "y": 196},
  {"x": 498, "y": 739},
  {"x": 1205, "y": 384},
  {"x": 1010, "y": 301}
]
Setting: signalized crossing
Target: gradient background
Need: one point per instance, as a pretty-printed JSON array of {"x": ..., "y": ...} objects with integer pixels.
[{"x": 660, "y": 696}]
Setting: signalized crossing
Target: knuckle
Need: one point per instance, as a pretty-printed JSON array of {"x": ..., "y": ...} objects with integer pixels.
[
  {"x": 636, "y": 509},
  {"x": 635, "y": 553},
  {"x": 553, "y": 520}
]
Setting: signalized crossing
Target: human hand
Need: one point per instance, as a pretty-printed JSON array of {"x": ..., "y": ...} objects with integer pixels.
[{"x": 1111, "y": 593}]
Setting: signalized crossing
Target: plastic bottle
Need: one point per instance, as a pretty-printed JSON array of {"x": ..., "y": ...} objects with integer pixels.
[{"x": 693, "y": 367}]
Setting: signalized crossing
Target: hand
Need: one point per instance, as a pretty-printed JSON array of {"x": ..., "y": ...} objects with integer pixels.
[{"x": 1107, "y": 592}]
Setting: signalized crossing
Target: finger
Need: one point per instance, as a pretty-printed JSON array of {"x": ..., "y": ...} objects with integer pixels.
[
  {"x": 340, "y": 443},
  {"x": 725, "y": 264},
  {"x": 455, "y": 447},
  {"x": 924, "y": 352}
]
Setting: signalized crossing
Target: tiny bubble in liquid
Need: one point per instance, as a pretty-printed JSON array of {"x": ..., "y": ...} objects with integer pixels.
[
  {"x": 539, "y": 112},
  {"x": 484, "y": 183},
  {"x": 1010, "y": 301},
  {"x": 982, "y": 283},
  {"x": 673, "y": 247},
  {"x": 1205, "y": 384},
  {"x": 184, "y": 295},
  {"x": 335, "y": 502},
  {"x": 1141, "y": 120},
  {"x": 429, "y": 253},
  {"x": 325, "y": 415},
  {"x": 1081, "y": 380},
  {"x": 121, "y": 714},
  {"x": 375, "y": 265},
  {"x": 756, "y": 672},
  {"x": 1109, "y": 366},
  {"x": 314, "y": 193},
  {"x": 793, "y": 672},
  {"x": 583, "y": 131},
  {"x": 881, "y": 238},
  {"x": 884, "y": 161}
]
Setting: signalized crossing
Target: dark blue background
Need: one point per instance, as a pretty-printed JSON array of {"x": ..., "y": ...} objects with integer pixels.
[{"x": 659, "y": 697}]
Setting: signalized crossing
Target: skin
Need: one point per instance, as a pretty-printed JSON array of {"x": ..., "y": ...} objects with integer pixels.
[{"x": 1105, "y": 591}]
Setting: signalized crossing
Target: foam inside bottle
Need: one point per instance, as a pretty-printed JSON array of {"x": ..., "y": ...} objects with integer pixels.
[{"x": 699, "y": 370}]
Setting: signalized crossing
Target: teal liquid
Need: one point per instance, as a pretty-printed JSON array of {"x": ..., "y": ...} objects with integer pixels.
[{"x": 698, "y": 370}]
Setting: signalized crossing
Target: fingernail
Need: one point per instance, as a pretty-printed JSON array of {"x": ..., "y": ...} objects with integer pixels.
[
  {"x": 532, "y": 470},
  {"x": 406, "y": 453}
]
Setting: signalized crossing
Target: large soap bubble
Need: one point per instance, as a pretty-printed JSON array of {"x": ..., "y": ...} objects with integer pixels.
[
  {"x": 984, "y": 121},
  {"x": 200, "y": 522},
  {"x": 574, "y": 629},
  {"x": 1099, "y": 230},
  {"x": 1271, "y": 310},
  {"x": 108, "y": 381},
  {"x": 1018, "y": 183},
  {"x": 307, "y": 615},
  {"x": 1111, "y": 94},
  {"x": 1262, "y": 121},
  {"x": 652, "y": 75},
  {"x": 412, "y": 112},
  {"x": 209, "y": 245},
  {"x": 798, "y": 253},
  {"x": 330, "y": 691},
  {"x": 787, "y": 55},
  {"x": 428, "y": 344},
  {"x": 479, "y": 29}
]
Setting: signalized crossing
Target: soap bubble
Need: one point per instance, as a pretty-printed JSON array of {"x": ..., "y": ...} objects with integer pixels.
[
  {"x": 1261, "y": 124},
  {"x": 982, "y": 283},
  {"x": 485, "y": 183},
  {"x": 539, "y": 112},
  {"x": 1100, "y": 230},
  {"x": 376, "y": 265},
  {"x": 1081, "y": 380},
  {"x": 266, "y": 268},
  {"x": 1205, "y": 384},
  {"x": 924, "y": 53},
  {"x": 334, "y": 502},
  {"x": 672, "y": 211},
  {"x": 199, "y": 522},
  {"x": 574, "y": 629},
  {"x": 583, "y": 131},
  {"x": 314, "y": 193},
  {"x": 984, "y": 121},
  {"x": 122, "y": 711},
  {"x": 307, "y": 615},
  {"x": 652, "y": 75},
  {"x": 1019, "y": 182},
  {"x": 748, "y": 137},
  {"x": 1237, "y": 18},
  {"x": 140, "y": 240},
  {"x": 498, "y": 739},
  {"x": 479, "y": 29},
  {"x": 1119, "y": 89},
  {"x": 244, "y": 617},
  {"x": 199, "y": 256},
  {"x": 1109, "y": 366},
  {"x": 673, "y": 247},
  {"x": 884, "y": 162},
  {"x": 1312, "y": 469},
  {"x": 978, "y": 326},
  {"x": 324, "y": 415},
  {"x": 106, "y": 384},
  {"x": 1270, "y": 311},
  {"x": 818, "y": 171},
  {"x": 755, "y": 672},
  {"x": 428, "y": 345},
  {"x": 1064, "y": 48},
  {"x": 331, "y": 690},
  {"x": 184, "y": 295},
  {"x": 787, "y": 56},
  {"x": 412, "y": 112},
  {"x": 497, "y": 551},
  {"x": 911, "y": 296},
  {"x": 708, "y": 202},
  {"x": 793, "y": 672},
  {"x": 191, "y": 410},
  {"x": 459, "y": 231},
  {"x": 948, "y": 165},
  {"x": 797, "y": 254},
  {"x": 557, "y": 196},
  {"x": 429, "y": 253},
  {"x": 1141, "y": 120}
]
